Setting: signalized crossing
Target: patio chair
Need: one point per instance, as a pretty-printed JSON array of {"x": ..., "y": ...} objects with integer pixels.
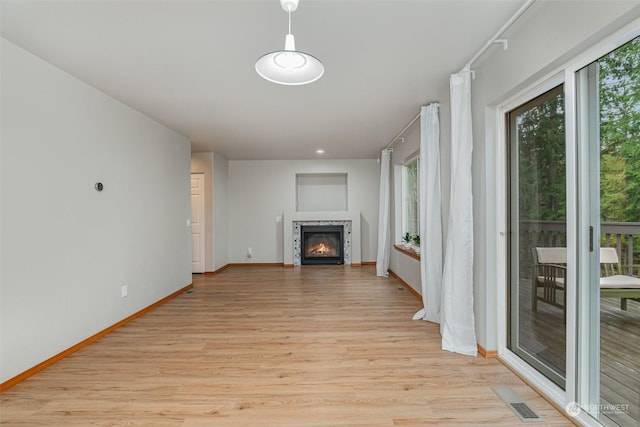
[
  {"x": 616, "y": 285},
  {"x": 549, "y": 273}
]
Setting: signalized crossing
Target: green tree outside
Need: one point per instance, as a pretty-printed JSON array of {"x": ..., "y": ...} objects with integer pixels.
[{"x": 619, "y": 75}]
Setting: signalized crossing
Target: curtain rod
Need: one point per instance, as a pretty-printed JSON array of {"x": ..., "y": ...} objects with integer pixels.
[
  {"x": 399, "y": 136},
  {"x": 491, "y": 41},
  {"x": 393, "y": 141},
  {"x": 504, "y": 28}
]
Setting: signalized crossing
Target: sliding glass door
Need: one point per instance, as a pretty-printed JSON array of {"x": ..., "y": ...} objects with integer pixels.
[
  {"x": 537, "y": 222},
  {"x": 573, "y": 228},
  {"x": 608, "y": 113}
]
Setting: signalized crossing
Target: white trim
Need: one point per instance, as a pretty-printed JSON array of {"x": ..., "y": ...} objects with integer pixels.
[
  {"x": 543, "y": 85},
  {"x": 414, "y": 157},
  {"x": 571, "y": 183},
  {"x": 397, "y": 205},
  {"x": 501, "y": 226},
  {"x": 588, "y": 272},
  {"x": 411, "y": 157},
  {"x": 542, "y": 383}
]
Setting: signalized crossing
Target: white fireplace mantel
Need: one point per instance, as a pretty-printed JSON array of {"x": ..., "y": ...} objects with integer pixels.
[{"x": 291, "y": 217}]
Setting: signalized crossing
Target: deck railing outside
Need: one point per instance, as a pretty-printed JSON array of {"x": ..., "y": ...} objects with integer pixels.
[{"x": 624, "y": 236}]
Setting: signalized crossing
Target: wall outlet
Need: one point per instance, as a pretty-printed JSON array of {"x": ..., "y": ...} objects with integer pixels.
[
  {"x": 249, "y": 253},
  {"x": 124, "y": 291}
]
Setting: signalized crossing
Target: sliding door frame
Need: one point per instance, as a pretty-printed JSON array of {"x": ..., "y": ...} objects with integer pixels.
[
  {"x": 579, "y": 260},
  {"x": 502, "y": 199}
]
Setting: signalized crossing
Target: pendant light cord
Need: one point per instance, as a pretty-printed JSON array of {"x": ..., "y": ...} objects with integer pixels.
[{"x": 289, "y": 20}]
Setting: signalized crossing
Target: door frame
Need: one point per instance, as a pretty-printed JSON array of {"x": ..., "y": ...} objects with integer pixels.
[
  {"x": 500, "y": 117},
  {"x": 577, "y": 340}
]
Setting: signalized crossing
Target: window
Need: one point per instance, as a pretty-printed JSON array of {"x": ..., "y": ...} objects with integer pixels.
[{"x": 410, "y": 222}]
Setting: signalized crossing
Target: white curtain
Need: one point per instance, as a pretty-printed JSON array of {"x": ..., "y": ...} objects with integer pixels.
[
  {"x": 457, "y": 320},
  {"x": 430, "y": 214},
  {"x": 384, "y": 219}
]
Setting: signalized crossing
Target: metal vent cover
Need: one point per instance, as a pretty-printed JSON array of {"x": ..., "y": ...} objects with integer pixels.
[{"x": 517, "y": 404}]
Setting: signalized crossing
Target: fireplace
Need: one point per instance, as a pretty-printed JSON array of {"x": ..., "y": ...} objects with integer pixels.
[
  {"x": 322, "y": 244},
  {"x": 349, "y": 221}
]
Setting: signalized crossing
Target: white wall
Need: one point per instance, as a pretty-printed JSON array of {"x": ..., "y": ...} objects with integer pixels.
[
  {"x": 67, "y": 249},
  {"x": 220, "y": 211},
  {"x": 321, "y": 192},
  {"x": 261, "y": 191},
  {"x": 549, "y": 34}
]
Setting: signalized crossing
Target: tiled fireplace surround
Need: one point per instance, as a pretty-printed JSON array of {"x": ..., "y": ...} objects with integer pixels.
[{"x": 294, "y": 220}]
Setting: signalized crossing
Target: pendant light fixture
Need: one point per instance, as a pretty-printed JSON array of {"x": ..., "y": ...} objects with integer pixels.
[{"x": 289, "y": 66}]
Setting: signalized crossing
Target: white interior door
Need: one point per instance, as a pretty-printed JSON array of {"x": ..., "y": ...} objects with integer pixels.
[{"x": 197, "y": 223}]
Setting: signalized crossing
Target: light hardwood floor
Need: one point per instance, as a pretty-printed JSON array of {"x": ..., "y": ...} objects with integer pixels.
[{"x": 269, "y": 346}]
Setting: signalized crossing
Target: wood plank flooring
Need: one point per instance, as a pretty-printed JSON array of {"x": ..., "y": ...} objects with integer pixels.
[{"x": 269, "y": 346}]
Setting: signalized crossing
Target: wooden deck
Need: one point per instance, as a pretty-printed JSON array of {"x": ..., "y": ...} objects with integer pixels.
[
  {"x": 264, "y": 346},
  {"x": 620, "y": 360},
  {"x": 543, "y": 333}
]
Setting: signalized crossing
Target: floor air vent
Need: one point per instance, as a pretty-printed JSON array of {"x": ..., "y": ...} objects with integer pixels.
[
  {"x": 517, "y": 405},
  {"x": 524, "y": 411}
]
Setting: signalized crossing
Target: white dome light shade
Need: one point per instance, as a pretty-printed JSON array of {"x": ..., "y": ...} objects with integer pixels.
[
  {"x": 288, "y": 66},
  {"x": 290, "y": 60}
]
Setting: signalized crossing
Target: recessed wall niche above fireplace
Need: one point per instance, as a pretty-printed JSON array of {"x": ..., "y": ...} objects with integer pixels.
[{"x": 321, "y": 192}]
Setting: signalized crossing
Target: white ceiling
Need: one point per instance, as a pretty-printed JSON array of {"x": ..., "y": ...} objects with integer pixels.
[{"x": 190, "y": 65}]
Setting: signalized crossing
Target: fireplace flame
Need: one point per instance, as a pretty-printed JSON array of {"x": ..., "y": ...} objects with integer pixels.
[{"x": 321, "y": 249}]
